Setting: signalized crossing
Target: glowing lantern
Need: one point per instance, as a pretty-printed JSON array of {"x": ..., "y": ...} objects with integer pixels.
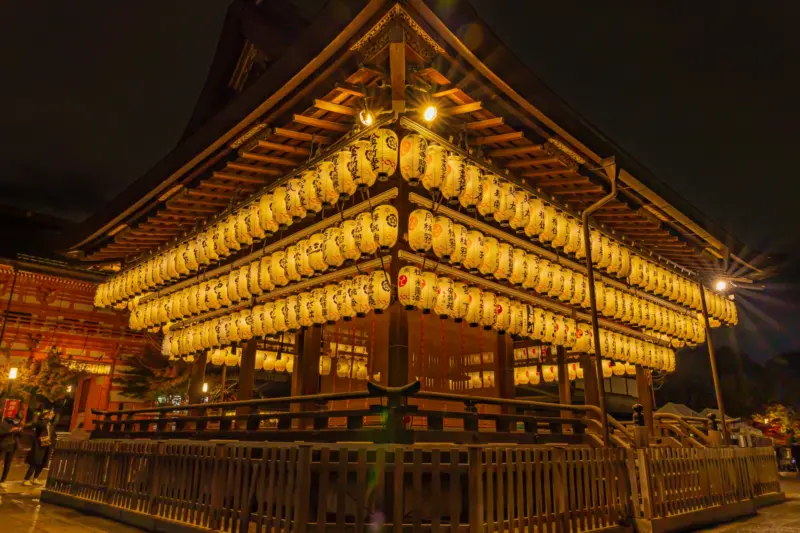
[
  {"x": 342, "y": 173},
  {"x": 360, "y": 295},
  {"x": 413, "y": 149},
  {"x": 383, "y": 152},
  {"x": 319, "y": 305},
  {"x": 270, "y": 358},
  {"x": 277, "y": 269},
  {"x": 561, "y": 231},
  {"x": 242, "y": 227},
  {"x": 522, "y": 209},
  {"x": 520, "y": 376},
  {"x": 314, "y": 252},
  {"x": 560, "y": 334},
  {"x": 471, "y": 193},
  {"x": 435, "y": 167},
  {"x": 443, "y": 237},
  {"x": 333, "y": 302},
  {"x": 279, "y": 316},
  {"x": 536, "y": 214},
  {"x": 490, "y": 195},
  {"x": 214, "y": 333},
  {"x": 445, "y": 297},
  {"x": 488, "y": 309},
  {"x": 517, "y": 318},
  {"x": 324, "y": 365},
  {"x": 550, "y": 373},
  {"x": 218, "y": 357},
  {"x": 630, "y": 369},
  {"x": 475, "y": 381},
  {"x": 534, "y": 377},
  {"x": 343, "y": 367},
  {"x": 266, "y": 217},
  {"x": 459, "y": 253},
  {"x": 280, "y": 362},
  {"x": 230, "y": 233},
  {"x": 605, "y": 255},
  {"x": 454, "y": 179},
  {"x": 608, "y": 367},
  {"x": 488, "y": 379},
  {"x": 568, "y": 285},
  {"x": 428, "y": 294},
  {"x": 329, "y": 187},
  {"x": 385, "y": 226},
  {"x": 519, "y": 266},
  {"x": 312, "y": 191},
  {"x": 365, "y": 235},
  {"x": 331, "y": 252},
  {"x": 503, "y": 314},
  {"x": 583, "y": 338},
  {"x": 609, "y": 301},
  {"x": 265, "y": 273},
  {"x": 618, "y": 369},
  {"x": 380, "y": 291},
  {"x": 475, "y": 251},
  {"x": 347, "y": 245},
  {"x": 558, "y": 280},
  {"x": 280, "y": 207},
  {"x": 545, "y": 279},
  {"x": 549, "y": 224},
  {"x": 506, "y": 208},
  {"x": 254, "y": 278},
  {"x": 295, "y": 199},
  {"x": 460, "y": 301},
  {"x": 292, "y": 312},
  {"x": 409, "y": 286},
  {"x": 222, "y": 291},
  {"x": 474, "y": 306},
  {"x": 490, "y": 260},
  {"x": 420, "y": 230},
  {"x": 346, "y": 308},
  {"x": 245, "y": 324},
  {"x": 531, "y": 271}
]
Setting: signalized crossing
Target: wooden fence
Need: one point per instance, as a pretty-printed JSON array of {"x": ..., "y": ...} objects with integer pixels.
[
  {"x": 265, "y": 487},
  {"x": 671, "y": 481}
]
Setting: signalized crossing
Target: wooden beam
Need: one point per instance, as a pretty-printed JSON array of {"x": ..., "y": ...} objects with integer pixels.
[
  {"x": 549, "y": 172},
  {"x": 520, "y": 163},
  {"x": 487, "y": 123},
  {"x": 197, "y": 201},
  {"x": 322, "y": 124},
  {"x": 461, "y": 109},
  {"x": 288, "y": 148},
  {"x": 198, "y": 210},
  {"x": 269, "y": 159},
  {"x": 501, "y": 138},
  {"x": 302, "y": 136},
  {"x": 583, "y": 180},
  {"x": 253, "y": 168},
  {"x": 242, "y": 179},
  {"x": 334, "y": 108},
  {"x": 446, "y": 92},
  {"x": 517, "y": 150},
  {"x": 588, "y": 190},
  {"x": 211, "y": 194},
  {"x": 224, "y": 186},
  {"x": 350, "y": 90},
  {"x": 397, "y": 68}
]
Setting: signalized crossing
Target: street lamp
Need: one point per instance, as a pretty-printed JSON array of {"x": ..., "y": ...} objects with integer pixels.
[
  {"x": 12, "y": 375},
  {"x": 721, "y": 285}
]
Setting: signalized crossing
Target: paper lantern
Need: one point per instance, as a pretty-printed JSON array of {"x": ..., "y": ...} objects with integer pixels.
[
  {"x": 435, "y": 167},
  {"x": 347, "y": 245},
  {"x": 561, "y": 231},
  {"x": 490, "y": 195},
  {"x": 245, "y": 324},
  {"x": 222, "y": 291},
  {"x": 319, "y": 305},
  {"x": 490, "y": 260},
  {"x": 266, "y": 217},
  {"x": 533, "y": 375},
  {"x": 531, "y": 271},
  {"x": 329, "y": 187},
  {"x": 382, "y": 152},
  {"x": 474, "y": 306},
  {"x": 428, "y": 294},
  {"x": 459, "y": 253},
  {"x": 360, "y": 294},
  {"x": 295, "y": 199},
  {"x": 346, "y": 308},
  {"x": 536, "y": 215},
  {"x": 331, "y": 251},
  {"x": 454, "y": 179},
  {"x": 558, "y": 280},
  {"x": 314, "y": 253},
  {"x": 445, "y": 297},
  {"x": 365, "y": 235},
  {"x": 312, "y": 191},
  {"x": 517, "y": 319},
  {"x": 488, "y": 309},
  {"x": 270, "y": 358},
  {"x": 233, "y": 328},
  {"x": 409, "y": 286},
  {"x": 519, "y": 218},
  {"x": 583, "y": 338},
  {"x": 279, "y": 316},
  {"x": 475, "y": 250},
  {"x": 385, "y": 224},
  {"x": 265, "y": 273},
  {"x": 420, "y": 230},
  {"x": 230, "y": 233},
  {"x": 475, "y": 381},
  {"x": 630, "y": 369},
  {"x": 380, "y": 291},
  {"x": 471, "y": 192},
  {"x": 618, "y": 369},
  {"x": 280, "y": 207},
  {"x": 443, "y": 242},
  {"x": 292, "y": 312},
  {"x": 568, "y": 285},
  {"x": 537, "y": 318},
  {"x": 277, "y": 270},
  {"x": 550, "y": 373},
  {"x": 488, "y": 379},
  {"x": 324, "y": 365},
  {"x": 506, "y": 207},
  {"x": 413, "y": 149},
  {"x": 560, "y": 331},
  {"x": 218, "y": 357},
  {"x": 519, "y": 266},
  {"x": 342, "y": 173},
  {"x": 503, "y": 314},
  {"x": 343, "y": 367},
  {"x": 520, "y": 376},
  {"x": 549, "y": 221},
  {"x": 268, "y": 318},
  {"x": 254, "y": 278},
  {"x": 545, "y": 279},
  {"x": 280, "y": 362},
  {"x": 461, "y": 299},
  {"x": 214, "y": 332}
]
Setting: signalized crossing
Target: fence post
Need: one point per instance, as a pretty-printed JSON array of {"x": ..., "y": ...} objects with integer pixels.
[
  {"x": 475, "y": 492},
  {"x": 110, "y": 472},
  {"x": 218, "y": 485},
  {"x": 302, "y": 489},
  {"x": 155, "y": 485},
  {"x": 645, "y": 490},
  {"x": 560, "y": 488}
]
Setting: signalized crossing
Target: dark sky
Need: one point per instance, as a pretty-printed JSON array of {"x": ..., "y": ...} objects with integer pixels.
[{"x": 703, "y": 93}]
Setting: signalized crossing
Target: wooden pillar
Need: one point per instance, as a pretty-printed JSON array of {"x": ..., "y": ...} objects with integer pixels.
[
  {"x": 305, "y": 379},
  {"x": 645, "y": 393},
  {"x": 504, "y": 369},
  {"x": 591, "y": 396},
  {"x": 197, "y": 379},
  {"x": 564, "y": 391},
  {"x": 247, "y": 375},
  {"x": 398, "y": 316}
]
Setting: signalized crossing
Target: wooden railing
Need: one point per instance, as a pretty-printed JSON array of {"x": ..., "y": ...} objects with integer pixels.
[
  {"x": 671, "y": 481},
  {"x": 385, "y": 415},
  {"x": 261, "y": 487}
]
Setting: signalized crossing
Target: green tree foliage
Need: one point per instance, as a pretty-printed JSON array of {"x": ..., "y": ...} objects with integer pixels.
[{"x": 152, "y": 378}]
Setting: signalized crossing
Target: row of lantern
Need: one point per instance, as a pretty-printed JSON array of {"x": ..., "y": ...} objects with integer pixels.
[
  {"x": 346, "y": 367},
  {"x": 358, "y": 165},
  {"x": 549, "y": 373},
  {"x": 363, "y": 236},
  {"x": 344, "y": 300},
  {"x": 267, "y": 360},
  {"x": 503, "y": 262},
  {"x": 464, "y": 183}
]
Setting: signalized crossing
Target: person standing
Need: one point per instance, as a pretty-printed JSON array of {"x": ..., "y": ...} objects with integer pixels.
[
  {"x": 44, "y": 438},
  {"x": 9, "y": 442}
]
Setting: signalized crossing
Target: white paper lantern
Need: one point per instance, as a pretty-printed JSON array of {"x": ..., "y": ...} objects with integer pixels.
[
  {"x": 409, "y": 286},
  {"x": 490, "y": 259},
  {"x": 360, "y": 294},
  {"x": 331, "y": 251},
  {"x": 475, "y": 250},
  {"x": 471, "y": 193},
  {"x": 461, "y": 300},
  {"x": 459, "y": 253},
  {"x": 382, "y": 152},
  {"x": 490, "y": 195},
  {"x": 278, "y": 275},
  {"x": 312, "y": 191},
  {"x": 474, "y": 306},
  {"x": 503, "y": 314},
  {"x": 380, "y": 291},
  {"x": 443, "y": 238},
  {"x": 488, "y": 309},
  {"x": 362, "y": 164},
  {"x": 420, "y": 230},
  {"x": 506, "y": 207},
  {"x": 428, "y": 292},
  {"x": 333, "y": 303},
  {"x": 316, "y": 258},
  {"x": 550, "y": 373},
  {"x": 413, "y": 149},
  {"x": 385, "y": 222},
  {"x": 435, "y": 167},
  {"x": 454, "y": 179}
]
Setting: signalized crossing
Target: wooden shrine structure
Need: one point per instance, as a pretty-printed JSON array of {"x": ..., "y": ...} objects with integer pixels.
[{"x": 389, "y": 207}]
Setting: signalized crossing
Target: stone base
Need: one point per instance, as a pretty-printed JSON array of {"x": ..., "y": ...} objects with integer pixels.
[{"x": 131, "y": 518}]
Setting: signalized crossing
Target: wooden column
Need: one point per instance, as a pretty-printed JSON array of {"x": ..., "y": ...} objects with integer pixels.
[
  {"x": 504, "y": 369},
  {"x": 305, "y": 379},
  {"x": 197, "y": 379},
  {"x": 247, "y": 375},
  {"x": 591, "y": 396},
  {"x": 398, "y": 316},
  {"x": 645, "y": 393},
  {"x": 564, "y": 391}
]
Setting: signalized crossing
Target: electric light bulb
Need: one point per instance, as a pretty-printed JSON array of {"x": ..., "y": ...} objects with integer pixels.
[{"x": 430, "y": 113}]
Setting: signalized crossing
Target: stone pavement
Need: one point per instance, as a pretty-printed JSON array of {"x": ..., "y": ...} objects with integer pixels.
[{"x": 14, "y": 482}]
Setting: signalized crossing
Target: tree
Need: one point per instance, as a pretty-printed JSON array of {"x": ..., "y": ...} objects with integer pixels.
[{"x": 153, "y": 378}]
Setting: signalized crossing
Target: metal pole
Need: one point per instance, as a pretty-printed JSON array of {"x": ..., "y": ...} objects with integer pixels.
[
  {"x": 714, "y": 373},
  {"x": 610, "y": 167}
]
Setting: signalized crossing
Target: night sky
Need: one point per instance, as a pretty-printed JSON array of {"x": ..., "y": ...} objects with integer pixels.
[{"x": 704, "y": 94}]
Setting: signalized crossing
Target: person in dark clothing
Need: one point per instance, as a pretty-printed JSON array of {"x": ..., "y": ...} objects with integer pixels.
[
  {"x": 9, "y": 442},
  {"x": 44, "y": 438}
]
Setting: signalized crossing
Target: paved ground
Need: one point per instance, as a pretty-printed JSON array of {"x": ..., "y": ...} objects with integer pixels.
[{"x": 22, "y": 512}]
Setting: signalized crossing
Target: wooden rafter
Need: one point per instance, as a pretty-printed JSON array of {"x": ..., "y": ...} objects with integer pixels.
[
  {"x": 461, "y": 109},
  {"x": 288, "y": 148},
  {"x": 499, "y": 138},
  {"x": 334, "y": 108},
  {"x": 302, "y": 136},
  {"x": 322, "y": 124},
  {"x": 517, "y": 150},
  {"x": 253, "y": 168},
  {"x": 269, "y": 159},
  {"x": 521, "y": 163},
  {"x": 493, "y": 122},
  {"x": 549, "y": 172},
  {"x": 243, "y": 179}
]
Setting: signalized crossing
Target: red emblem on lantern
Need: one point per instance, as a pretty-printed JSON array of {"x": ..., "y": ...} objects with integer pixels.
[{"x": 402, "y": 281}]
